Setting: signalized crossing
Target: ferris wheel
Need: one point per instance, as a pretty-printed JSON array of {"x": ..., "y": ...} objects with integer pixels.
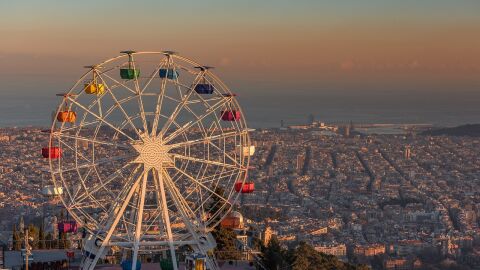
[{"x": 151, "y": 150}]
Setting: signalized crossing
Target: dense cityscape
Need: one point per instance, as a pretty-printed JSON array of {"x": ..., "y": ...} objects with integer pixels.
[{"x": 392, "y": 201}]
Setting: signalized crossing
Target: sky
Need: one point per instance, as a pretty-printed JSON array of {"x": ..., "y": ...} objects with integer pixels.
[{"x": 345, "y": 59}]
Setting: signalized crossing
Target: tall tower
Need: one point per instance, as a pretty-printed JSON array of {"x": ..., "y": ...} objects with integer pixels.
[
  {"x": 300, "y": 162},
  {"x": 347, "y": 131},
  {"x": 310, "y": 119},
  {"x": 407, "y": 152}
]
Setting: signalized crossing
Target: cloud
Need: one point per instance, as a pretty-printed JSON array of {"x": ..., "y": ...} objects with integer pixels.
[
  {"x": 414, "y": 64},
  {"x": 225, "y": 61},
  {"x": 347, "y": 65}
]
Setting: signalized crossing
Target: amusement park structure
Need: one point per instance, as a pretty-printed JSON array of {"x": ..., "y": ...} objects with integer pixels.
[{"x": 149, "y": 152}]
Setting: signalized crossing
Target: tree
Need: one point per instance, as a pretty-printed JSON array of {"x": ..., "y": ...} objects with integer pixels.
[
  {"x": 303, "y": 257},
  {"x": 41, "y": 238},
  {"x": 226, "y": 247},
  {"x": 16, "y": 239},
  {"x": 33, "y": 232},
  {"x": 307, "y": 258},
  {"x": 216, "y": 203},
  {"x": 274, "y": 256}
]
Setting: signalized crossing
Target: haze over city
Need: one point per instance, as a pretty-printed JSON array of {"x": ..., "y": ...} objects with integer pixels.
[{"x": 366, "y": 61}]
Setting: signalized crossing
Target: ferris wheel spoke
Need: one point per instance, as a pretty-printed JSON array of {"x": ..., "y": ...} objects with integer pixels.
[
  {"x": 158, "y": 106},
  {"x": 93, "y": 164},
  {"x": 122, "y": 196},
  {"x": 62, "y": 142},
  {"x": 200, "y": 184},
  {"x": 154, "y": 73},
  {"x": 204, "y": 101},
  {"x": 172, "y": 98},
  {"x": 225, "y": 155},
  {"x": 81, "y": 184},
  {"x": 205, "y": 161},
  {"x": 207, "y": 139},
  {"x": 158, "y": 177},
  {"x": 100, "y": 118},
  {"x": 219, "y": 175},
  {"x": 182, "y": 206},
  {"x": 116, "y": 213},
  {"x": 180, "y": 106},
  {"x": 139, "y": 99},
  {"x": 108, "y": 180},
  {"x": 94, "y": 141},
  {"x": 138, "y": 227},
  {"x": 127, "y": 117},
  {"x": 190, "y": 124},
  {"x": 120, "y": 83}
]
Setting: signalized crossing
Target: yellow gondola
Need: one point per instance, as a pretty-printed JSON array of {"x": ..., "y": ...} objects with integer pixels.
[{"x": 93, "y": 87}]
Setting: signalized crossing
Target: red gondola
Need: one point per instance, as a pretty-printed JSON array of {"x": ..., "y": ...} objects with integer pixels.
[
  {"x": 230, "y": 115},
  {"x": 248, "y": 187},
  {"x": 70, "y": 254},
  {"x": 68, "y": 226},
  {"x": 51, "y": 152}
]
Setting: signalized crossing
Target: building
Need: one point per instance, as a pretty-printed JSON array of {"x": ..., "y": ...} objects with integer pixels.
[
  {"x": 267, "y": 235},
  {"x": 369, "y": 250},
  {"x": 320, "y": 231},
  {"x": 397, "y": 264},
  {"x": 338, "y": 250}
]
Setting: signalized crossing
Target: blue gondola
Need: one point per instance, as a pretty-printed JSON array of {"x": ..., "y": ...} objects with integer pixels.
[
  {"x": 168, "y": 73},
  {"x": 127, "y": 265},
  {"x": 204, "y": 88}
]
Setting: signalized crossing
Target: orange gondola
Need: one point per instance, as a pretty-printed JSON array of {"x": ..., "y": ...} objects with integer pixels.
[
  {"x": 66, "y": 116},
  {"x": 234, "y": 220}
]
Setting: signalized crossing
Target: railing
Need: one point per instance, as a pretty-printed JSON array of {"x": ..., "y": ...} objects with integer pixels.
[
  {"x": 48, "y": 244},
  {"x": 247, "y": 254}
]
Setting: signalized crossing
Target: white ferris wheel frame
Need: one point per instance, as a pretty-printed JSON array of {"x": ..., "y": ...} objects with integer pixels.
[{"x": 197, "y": 233}]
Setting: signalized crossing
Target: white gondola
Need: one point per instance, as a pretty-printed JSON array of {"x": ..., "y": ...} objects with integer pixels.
[
  {"x": 246, "y": 150},
  {"x": 52, "y": 191}
]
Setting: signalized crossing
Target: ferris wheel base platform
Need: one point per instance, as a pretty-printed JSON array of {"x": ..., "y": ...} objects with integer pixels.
[{"x": 224, "y": 265}]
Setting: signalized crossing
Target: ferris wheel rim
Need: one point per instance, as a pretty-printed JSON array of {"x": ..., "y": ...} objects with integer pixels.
[{"x": 215, "y": 79}]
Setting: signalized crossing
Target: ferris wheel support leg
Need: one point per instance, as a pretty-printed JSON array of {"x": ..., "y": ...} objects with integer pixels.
[
  {"x": 138, "y": 227},
  {"x": 166, "y": 217},
  {"x": 92, "y": 253},
  {"x": 205, "y": 241}
]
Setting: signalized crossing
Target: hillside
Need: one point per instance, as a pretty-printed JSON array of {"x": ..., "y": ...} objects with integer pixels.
[{"x": 470, "y": 130}]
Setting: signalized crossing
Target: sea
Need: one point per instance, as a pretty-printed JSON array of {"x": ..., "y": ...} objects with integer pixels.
[{"x": 270, "y": 110}]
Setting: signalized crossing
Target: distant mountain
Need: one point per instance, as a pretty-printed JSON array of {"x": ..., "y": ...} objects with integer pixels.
[{"x": 470, "y": 130}]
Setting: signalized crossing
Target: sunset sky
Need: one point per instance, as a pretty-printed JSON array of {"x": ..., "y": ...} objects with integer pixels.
[{"x": 314, "y": 48}]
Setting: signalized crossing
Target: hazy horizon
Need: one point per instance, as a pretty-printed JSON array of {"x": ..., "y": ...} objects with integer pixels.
[{"x": 366, "y": 61}]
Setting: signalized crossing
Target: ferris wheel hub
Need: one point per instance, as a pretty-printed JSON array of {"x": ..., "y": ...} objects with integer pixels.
[{"x": 152, "y": 152}]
